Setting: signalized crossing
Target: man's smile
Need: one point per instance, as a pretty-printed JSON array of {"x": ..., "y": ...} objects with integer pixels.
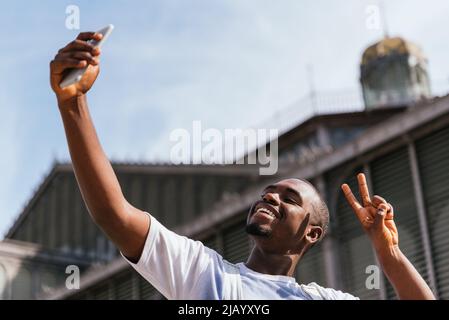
[{"x": 265, "y": 211}]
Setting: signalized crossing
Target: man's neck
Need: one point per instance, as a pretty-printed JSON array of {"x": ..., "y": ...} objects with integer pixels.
[{"x": 274, "y": 264}]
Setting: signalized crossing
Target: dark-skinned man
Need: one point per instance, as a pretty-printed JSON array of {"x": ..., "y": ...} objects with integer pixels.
[{"x": 288, "y": 219}]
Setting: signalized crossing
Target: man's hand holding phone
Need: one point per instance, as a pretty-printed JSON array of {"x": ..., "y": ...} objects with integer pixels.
[{"x": 77, "y": 54}]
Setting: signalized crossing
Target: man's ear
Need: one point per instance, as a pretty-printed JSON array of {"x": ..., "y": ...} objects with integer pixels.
[{"x": 313, "y": 234}]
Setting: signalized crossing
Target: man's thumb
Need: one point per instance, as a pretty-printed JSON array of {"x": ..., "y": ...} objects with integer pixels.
[{"x": 380, "y": 215}]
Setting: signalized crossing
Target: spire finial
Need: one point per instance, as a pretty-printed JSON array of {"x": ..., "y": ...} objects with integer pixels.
[{"x": 383, "y": 18}]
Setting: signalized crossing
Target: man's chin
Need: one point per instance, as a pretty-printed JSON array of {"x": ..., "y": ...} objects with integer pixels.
[{"x": 257, "y": 230}]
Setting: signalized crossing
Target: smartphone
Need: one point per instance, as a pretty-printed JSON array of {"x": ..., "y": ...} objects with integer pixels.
[{"x": 75, "y": 75}]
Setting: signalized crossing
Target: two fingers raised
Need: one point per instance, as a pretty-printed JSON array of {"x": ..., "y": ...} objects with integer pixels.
[{"x": 376, "y": 201}]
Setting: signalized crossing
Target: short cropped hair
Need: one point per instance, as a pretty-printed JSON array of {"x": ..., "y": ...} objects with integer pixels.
[{"x": 320, "y": 210}]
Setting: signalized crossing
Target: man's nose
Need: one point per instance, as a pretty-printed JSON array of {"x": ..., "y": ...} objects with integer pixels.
[{"x": 271, "y": 198}]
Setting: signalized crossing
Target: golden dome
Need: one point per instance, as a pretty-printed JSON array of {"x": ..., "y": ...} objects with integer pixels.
[{"x": 390, "y": 46}]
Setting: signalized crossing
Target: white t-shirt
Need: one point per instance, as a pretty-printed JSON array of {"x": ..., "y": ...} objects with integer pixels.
[{"x": 181, "y": 268}]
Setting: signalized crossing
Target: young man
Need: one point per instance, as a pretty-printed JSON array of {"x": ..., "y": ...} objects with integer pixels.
[{"x": 289, "y": 219}]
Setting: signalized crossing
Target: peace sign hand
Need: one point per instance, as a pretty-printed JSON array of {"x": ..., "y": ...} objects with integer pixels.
[{"x": 375, "y": 215}]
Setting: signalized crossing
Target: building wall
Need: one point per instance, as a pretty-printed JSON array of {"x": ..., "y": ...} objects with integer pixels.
[
  {"x": 27, "y": 272},
  {"x": 59, "y": 219},
  {"x": 410, "y": 175},
  {"x": 127, "y": 285}
]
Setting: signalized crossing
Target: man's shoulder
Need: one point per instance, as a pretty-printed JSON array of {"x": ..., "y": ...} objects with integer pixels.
[{"x": 317, "y": 292}]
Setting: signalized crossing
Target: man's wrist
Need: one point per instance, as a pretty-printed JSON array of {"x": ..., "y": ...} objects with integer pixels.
[
  {"x": 73, "y": 102},
  {"x": 389, "y": 255}
]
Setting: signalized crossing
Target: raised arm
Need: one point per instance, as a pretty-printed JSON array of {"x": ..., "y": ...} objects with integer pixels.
[
  {"x": 124, "y": 224},
  {"x": 376, "y": 217}
]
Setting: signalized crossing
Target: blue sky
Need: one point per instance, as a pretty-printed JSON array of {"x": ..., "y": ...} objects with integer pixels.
[{"x": 228, "y": 63}]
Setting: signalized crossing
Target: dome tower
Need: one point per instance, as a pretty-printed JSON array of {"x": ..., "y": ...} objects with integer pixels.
[{"x": 393, "y": 72}]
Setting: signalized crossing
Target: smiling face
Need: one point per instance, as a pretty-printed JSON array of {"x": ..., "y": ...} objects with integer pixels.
[{"x": 284, "y": 220}]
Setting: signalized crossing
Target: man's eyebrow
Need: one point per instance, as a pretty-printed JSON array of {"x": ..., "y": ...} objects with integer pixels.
[
  {"x": 271, "y": 186},
  {"x": 288, "y": 189},
  {"x": 296, "y": 193}
]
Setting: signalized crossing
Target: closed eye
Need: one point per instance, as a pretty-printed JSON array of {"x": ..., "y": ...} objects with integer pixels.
[{"x": 290, "y": 200}]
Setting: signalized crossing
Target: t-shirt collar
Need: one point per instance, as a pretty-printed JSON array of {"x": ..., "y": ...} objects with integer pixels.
[{"x": 244, "y": 269}]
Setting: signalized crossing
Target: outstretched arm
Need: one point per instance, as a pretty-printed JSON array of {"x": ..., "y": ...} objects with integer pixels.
[
  {"x": 376, "y": 217},
  {"x": 125, "y": 225}
]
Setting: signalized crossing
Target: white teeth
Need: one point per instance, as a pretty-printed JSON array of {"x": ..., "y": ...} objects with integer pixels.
[{"x": 267, "y": 212}]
